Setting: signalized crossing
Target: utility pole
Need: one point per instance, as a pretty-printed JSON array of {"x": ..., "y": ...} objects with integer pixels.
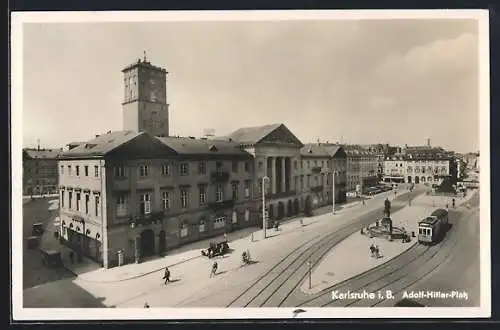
[
  {"x": 333, "y": 190},
  {"x": 264, "y": 212}
]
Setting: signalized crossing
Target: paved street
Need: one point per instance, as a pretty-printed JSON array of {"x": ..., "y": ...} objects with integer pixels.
[
  {"x": 192, "y": 277},
  {"x": 415, "y": 269},
  {"x": 278, "y": 271},
  {"x": 460, "y": 271},
  {"x": 34, "y": 273}
]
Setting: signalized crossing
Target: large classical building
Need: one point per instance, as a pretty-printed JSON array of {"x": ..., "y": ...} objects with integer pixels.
[
  {"x": 40, "y": 171},
  {"x": 131, "y": 194}
]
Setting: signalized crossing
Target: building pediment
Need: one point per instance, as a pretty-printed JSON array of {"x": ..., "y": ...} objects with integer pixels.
[{"x": 281, "y": 136}]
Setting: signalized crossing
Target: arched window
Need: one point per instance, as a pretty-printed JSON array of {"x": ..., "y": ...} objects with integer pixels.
[{"x": 247, "y": 215}]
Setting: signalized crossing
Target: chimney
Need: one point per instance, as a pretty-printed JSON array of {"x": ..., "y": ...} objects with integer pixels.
[{"x": 429, "y": 142}]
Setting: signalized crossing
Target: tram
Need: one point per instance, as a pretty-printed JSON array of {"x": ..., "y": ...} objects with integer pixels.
[{"x": 433, "y": 228}]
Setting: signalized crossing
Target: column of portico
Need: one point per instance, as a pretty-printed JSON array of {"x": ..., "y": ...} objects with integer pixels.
[
  {"x": 273, "y": 174},
  {"x": 283, "y": 174}
]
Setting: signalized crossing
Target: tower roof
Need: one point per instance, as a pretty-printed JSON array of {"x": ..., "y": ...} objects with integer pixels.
[{"x": 145, "y": 64}]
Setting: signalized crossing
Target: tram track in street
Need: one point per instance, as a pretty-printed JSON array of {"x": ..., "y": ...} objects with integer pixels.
[
  {"x": 416, "y": 263},
  {"x": 272, "y": 288}
]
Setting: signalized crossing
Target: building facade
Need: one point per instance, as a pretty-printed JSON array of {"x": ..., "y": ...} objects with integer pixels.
[
  {"x": 132, "y": 194},
  {"x": 420, "y": 165},
  {"x": 322, "y": 164},
  {"x": 362, "y": 168},
  {"x": 40, "y": 171}
]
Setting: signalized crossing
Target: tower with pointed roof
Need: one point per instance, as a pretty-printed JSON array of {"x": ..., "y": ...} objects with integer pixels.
[{"x": 145, "y": 107}]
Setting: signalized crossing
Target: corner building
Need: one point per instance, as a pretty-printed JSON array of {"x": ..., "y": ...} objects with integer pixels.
[{"x": 132, "y": 194}]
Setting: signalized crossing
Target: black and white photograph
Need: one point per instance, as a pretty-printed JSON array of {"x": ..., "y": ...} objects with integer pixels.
[{"x": 250, "y": 164}]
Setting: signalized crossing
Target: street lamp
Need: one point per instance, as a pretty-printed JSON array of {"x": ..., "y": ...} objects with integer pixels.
[
  {"x": 333, "y": 191},
  {"x": 309, "y": 266},
  {"x": 264, "y": 179}
]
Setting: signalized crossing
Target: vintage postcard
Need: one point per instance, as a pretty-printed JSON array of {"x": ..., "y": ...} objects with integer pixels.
[{"x": 251, "y": 164}]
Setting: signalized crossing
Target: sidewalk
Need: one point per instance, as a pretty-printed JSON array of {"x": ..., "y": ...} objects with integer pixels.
[
  {"x": 238, "y": 240},
  {"x": 437, "y": 201},
  {"x": 352, "y": 256}
]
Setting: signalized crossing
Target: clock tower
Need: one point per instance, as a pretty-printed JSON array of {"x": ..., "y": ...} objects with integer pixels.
[{"x": 145, "y": 107}]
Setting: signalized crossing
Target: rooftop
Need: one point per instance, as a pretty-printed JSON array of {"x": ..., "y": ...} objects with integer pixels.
[
  {"x": 36, "y": 153},
  {"x": 253, "y": 134},
  {"x": 193, "y": 146},
  {"x": 102, "y": 144}
]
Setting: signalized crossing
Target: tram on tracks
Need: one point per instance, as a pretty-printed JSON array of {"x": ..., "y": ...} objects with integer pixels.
[{"x": 432, "y": 229}]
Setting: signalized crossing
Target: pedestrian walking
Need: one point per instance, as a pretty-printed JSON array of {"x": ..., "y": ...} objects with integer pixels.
[
  {"x": 225, "y": 237},
  {"x": 166, "y": 276},
  {"x": 213, "y": 272},
  {"x": 363, "y": 201},
  {"x": 251, "y": 237}
]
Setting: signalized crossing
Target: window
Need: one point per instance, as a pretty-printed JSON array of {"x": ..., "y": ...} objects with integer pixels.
[
  {"x": 119, "y": 171},
  {"x": 77, "y": 168},
  {"x": 247, "y": 167},
  {"x": 219, "y": 222},
  {"x": 96, "y": 171},
  {"x": 96, "y": 204},
  {"x": 234, "y": 166},
  {"x": 86, "y": 169},
  {"x": 62, "y": 169},
  {"x": 308, "y": 164},
  {"x": 87, "y": 200},
  {"x": 301, "y": 182},
  {"x": 70, "y": 200},
  {"x": 260, "y": 166},
  {"x": 247, "y": 215},
  {"x": 202, "y": 225},
  {"x": 235, "y": 190},
  {"x": 184, "y": 168},
  {"x": 166, "y": 200},
  {"x": 184, "y": 198},
  {"x": 165, "y": 170},
  {"x": 184, "y": 230},
  {"x": 143, "y": 170},
  {"x": 203, "y": 194},
  {"x": 62, "y": 198},
  {"x": 121, "y": 205},
  {"x": 202, "y": 168},
  {"x": 78, "y": 201},
  {"x": 247, "y": 189},
  {"x": 219, "y": 193},
  {"x": 235, "y": 217},
  {"x": 145, "y": 204},
  {"x": 69, "y": 169},
  {"x": 295, "y": 164}
]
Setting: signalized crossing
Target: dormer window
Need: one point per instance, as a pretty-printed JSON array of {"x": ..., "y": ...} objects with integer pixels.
[{"x": 212, "y": 148}]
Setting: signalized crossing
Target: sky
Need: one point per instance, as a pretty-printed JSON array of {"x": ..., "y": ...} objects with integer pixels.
[{"x": 348, "y": 81}]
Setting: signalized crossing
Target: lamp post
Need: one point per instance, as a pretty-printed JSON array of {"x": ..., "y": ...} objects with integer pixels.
[
  {"x": 309, "y": 271},
  {"x": 333, "y": 191},
  {"x": 264, "y": 179}
]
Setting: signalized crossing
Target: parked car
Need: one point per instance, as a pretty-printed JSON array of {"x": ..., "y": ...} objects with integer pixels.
[{"x": 37, "y": 229}]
